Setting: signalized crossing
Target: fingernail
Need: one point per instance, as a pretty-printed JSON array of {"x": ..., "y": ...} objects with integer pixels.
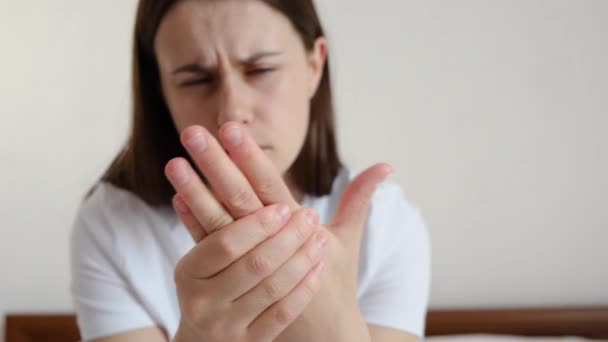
[
  {"x": 234, "y": 136},
  {"x": 179, "y": 176},
  {"x": 312, "y": 218},
  {"x": 197, "y": 143},
  {"x": 322, "y": 239},
  {"x": 283, "y": 211}
]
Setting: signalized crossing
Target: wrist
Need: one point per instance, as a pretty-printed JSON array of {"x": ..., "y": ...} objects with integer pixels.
[
  {"x": 349, "y": 322},
  {"x": 337, "y": 318}
]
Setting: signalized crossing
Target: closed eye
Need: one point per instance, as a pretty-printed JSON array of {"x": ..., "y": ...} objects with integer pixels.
[
  {"x": 198, "y": 81},
  {"x": 207, "y": 80},
  {"x": 259, "y": 71}
]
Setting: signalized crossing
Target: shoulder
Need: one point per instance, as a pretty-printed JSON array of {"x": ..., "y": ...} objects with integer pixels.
[
  {"x": 391, "y": 217},
  {"x": 112, "y": 204},
  {"x": 117, "y": 266},
  {"x": 390, "y": 207},
  {"x": 112, "y": 216},
  {"x": 393, "y": 221},
  {"x": 388, "y": 202},
  {"x": 108, "y": 201}
]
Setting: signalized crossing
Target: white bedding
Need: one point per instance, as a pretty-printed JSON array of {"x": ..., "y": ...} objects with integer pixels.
[{"x": 503, "y": 338}]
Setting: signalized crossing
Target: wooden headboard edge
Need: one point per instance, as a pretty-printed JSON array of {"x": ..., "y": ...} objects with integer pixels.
[{"x": 589, "y": 322}]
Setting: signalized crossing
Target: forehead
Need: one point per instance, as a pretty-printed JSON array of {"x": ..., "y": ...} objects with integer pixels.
[{"x": 206, "y": 28}]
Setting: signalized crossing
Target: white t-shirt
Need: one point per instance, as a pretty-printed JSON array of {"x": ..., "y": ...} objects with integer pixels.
[{"x": 123, "y": 254}]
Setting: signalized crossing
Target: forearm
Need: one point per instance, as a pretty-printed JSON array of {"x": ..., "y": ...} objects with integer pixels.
[{"x": 346, "y": 325}]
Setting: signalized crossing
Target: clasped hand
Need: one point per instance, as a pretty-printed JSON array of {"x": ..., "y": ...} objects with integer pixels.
[{"x": 259, "y": 257}]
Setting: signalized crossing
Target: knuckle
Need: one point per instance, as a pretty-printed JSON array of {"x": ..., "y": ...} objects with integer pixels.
[
  {"x": 192, "y": 311},
  {"x": 217, "y": 221},
  {"x": 314, "y": 249},
  {"x": 225, "y": 247},
  {"x": 302, "y": 230},
  {"x": 274, "y": 289},
  {"x": 309, "y": 288},
  {"x": 266, "y": 220},
  {"x": 242, "y": 198},
  {"x": 265, "y": 188},
  {"x": 311, "y": 254},
  {"x": 284, "y": 315},
  {"x": 216, "y": 328},
  {"x": 259, "y": 265}
]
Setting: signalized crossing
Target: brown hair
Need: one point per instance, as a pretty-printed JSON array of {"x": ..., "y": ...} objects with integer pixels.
[{"x": 154, "y": 140}]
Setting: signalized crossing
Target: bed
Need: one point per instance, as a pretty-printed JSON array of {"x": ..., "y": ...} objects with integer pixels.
[{"x": 467, "y": 325}]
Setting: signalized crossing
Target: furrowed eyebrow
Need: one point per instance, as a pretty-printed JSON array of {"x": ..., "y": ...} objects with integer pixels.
[
  {"x": 192, "y": 68},
  {"x": 260, "y": 55},
  {"x": 196, "y": 68}
]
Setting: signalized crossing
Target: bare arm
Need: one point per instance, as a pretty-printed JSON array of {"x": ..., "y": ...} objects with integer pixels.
[
  {"x": 383, "y": 334},
  {"x": 151, "y": 334}
]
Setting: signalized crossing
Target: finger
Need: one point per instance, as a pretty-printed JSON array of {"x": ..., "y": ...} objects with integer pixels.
[
  {"x": 224, "y": 247},
  {"x": 265, "y": 259},
  {"x": 185, "y": 215},
  {"x": 280, "y": 315},
  {"x": 354, "y": 205},
  {"x": 258, "y": 168},
  {"x": 226, "y": 180},
  {"x": 285, "y": 279},
  {"x": 210, "y": 214}
]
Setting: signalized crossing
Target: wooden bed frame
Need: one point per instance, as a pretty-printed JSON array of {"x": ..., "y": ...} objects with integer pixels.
[{"x": 589, "y": 322}]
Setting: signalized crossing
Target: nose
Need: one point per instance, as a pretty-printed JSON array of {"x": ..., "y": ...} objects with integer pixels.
[{"x": 233, "y": 102}]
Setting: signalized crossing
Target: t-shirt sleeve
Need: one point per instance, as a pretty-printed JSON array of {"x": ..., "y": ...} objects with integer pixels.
[
  {"x": 104, "y": 302},
  {"x": 398, "y": 248}
]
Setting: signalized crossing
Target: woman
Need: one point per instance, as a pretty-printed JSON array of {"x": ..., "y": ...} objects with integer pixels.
[{"x": 257, "y": 233}]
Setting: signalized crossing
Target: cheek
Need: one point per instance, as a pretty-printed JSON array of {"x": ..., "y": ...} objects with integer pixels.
[
  {"x": 187, "y": 110},
  {"x": 284, "y": 108},
  {"x": 284, "y": 102}
]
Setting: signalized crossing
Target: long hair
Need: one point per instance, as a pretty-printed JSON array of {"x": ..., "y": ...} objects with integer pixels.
[{"x": 154, "y": 140}]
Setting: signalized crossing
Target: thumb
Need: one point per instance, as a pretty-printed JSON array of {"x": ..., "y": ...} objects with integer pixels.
[{"x": 354, "y": 205}]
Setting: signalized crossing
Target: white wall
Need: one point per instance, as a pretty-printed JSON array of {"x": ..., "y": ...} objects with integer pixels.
[
  {"x": 494, "y": 114},
  {"x": 64, "y": 73}
]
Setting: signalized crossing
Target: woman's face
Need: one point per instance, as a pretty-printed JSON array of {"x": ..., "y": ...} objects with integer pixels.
[{"x": 239, "y": 60}]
